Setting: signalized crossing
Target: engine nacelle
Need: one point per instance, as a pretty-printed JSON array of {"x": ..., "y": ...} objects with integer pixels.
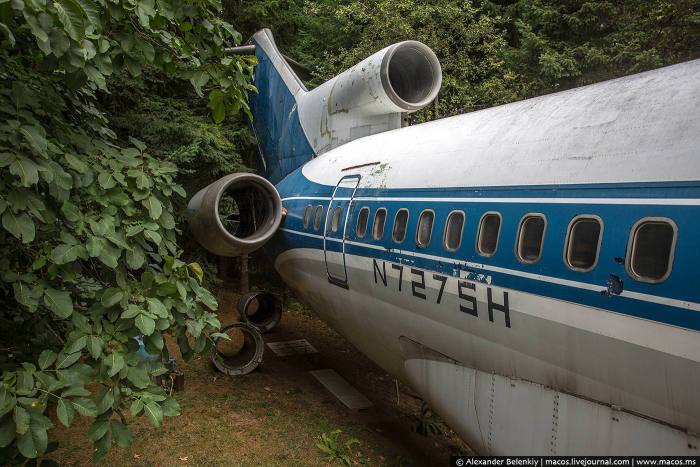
[
  {"x": 235, "y": 215},
  {"x": 370, "y": 97}
]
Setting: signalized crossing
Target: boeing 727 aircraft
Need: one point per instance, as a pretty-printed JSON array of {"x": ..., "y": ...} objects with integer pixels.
[{"x": 531, "y": 270}]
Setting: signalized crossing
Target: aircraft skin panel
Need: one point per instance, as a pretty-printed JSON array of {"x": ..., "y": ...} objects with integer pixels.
[
  {"x": 639, "y": 128},
  {"x": 543, "y": 358}
]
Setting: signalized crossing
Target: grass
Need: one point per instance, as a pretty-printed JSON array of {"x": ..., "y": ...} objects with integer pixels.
[{"x": 277, "y": 414}]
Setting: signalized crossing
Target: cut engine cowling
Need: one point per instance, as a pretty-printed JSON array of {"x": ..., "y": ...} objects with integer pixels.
[{"x": 235, "y": 215}]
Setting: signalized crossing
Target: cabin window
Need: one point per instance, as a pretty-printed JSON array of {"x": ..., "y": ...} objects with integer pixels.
[
  {"x": 400, "y": 222},
  {"x": 307, "y": 216},
  {"x": 651, "y": 248},
  {"x": 379, "y": 221},
  {"x": 583, "y": 243},
  {"x": 335, "y": 220},
  {"x": 453, "y": 230},
  {"x": 531, "y": 238},
  {"x": 362, "y": 219},
  {"x": 318, "y": 213},
  {"x": 425, "y": 228},
  {"x": 489, "y": 231}
]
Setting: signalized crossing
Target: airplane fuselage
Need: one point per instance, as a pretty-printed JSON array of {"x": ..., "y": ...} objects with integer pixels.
[{"x": 530, "y": 270}]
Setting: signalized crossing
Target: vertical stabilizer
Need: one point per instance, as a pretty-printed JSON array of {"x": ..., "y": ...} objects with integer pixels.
[{"x": 283, "y": 144}]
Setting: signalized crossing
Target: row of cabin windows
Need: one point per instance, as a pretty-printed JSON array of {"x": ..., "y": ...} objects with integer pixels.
[{"x": 650, "y": 247}]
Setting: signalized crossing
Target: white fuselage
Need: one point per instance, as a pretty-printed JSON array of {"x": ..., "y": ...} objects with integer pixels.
[{"x": 521, "y": 358}]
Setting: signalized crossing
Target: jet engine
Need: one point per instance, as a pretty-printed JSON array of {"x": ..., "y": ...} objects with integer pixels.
[
  {"x": 371, "y": 96},
  {"x": 235, "y": 215}
]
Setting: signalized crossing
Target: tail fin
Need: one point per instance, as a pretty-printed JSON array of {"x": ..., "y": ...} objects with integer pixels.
[{"x": 283, "y": 144}]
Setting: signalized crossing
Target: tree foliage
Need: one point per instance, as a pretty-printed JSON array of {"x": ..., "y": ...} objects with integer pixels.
[
  {"x": 88, "y": 239},
  {"x": 492, "y": 51}
]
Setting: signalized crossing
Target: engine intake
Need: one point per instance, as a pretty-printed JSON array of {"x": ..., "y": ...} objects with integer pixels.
[
  {"x": 371, "y": 96},
  {"x": 235, "y": 215}
]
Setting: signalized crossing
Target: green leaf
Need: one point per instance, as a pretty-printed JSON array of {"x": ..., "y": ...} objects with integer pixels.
[
  {"x": 70, "y": 14},
  {"x": 135, "y": 257},
  {"x": 38, "y": 32},
  {"x": 6, "y": 158},
  {"x": 25, "y": 383},
  {"x": 25, "y": 295},
  {"x": 7, "y": 431},
  {"x": 94, "y": 246},
  {"x": 109, "y": 255},
  {"x": 20, "y": 226},
  {"x": 115, "y": 362},
  {"x": 85, "y": 407},
  {"x": 155, "y": 208},
  {"x": 59, "y": 302},
  {"x": 131, "y": 311},
  {"x": 46, "y": 358},
  {"x": 154, "y": 413},
  {"x": 133, "y": 66},
  {"x": 170, "y": 408},
  {"x": 92, "y": 12},
  {"x": 105, "y": 400},
  {"x": 65, "y": 360},
  {"x": 75, "y": 163},
  {"x": 138, "y": 376},
  {"x": 136, "y": 407},
  {"x": 197, "y": 271},
  {"x": 26, "y": 170},
  {"x": 155, "y": 341},
  {"x": 121, "y": 434},
  {"x": 204, "y": 295},
  {"x": 21, "y": 420},
  {"x": 101, "y": 448},
  {"x": 216, "y": 104},
  {"x": 140, "y": 145},
  {"x": 94, "y": 346},
  {"x": 145, "y": 324},
  {"x": 59, "y": 43},
  {"x": 144, "y": 10},
  {"x": 106, "y": 180},
  {"x": 8, "y": 34},
  {"x": 65, "y": 412},
  {"x": 166, "y": 220},
  {"x": 156, "y": 307},
  {"x": 32, "y": 444},
  {"x": 77, "y": 345},
  {"x": 71, "y": 211},
  {"x": 97, "y": 429},
  {"x": 111, "y": 297},
  {"x": 119, "y": 197},
  {"x": 166, "y": 288},
  {"x": 76, "y": 390},
  {"x": 63, "y": 254},
  {"x": 153, "y": 236}
]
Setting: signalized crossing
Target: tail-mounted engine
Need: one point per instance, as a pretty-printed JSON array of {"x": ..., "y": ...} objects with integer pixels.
[{"x": 371, "y": 97}]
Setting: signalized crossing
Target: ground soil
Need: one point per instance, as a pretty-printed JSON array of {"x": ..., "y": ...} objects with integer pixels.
[{"x": 276, "y": 415}]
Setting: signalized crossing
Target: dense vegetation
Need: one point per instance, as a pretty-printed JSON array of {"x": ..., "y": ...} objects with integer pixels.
[
  {"x": 89, "y": 249},
  {"x": 492, "y": 52},
  {"x": 113, "y": 111}
]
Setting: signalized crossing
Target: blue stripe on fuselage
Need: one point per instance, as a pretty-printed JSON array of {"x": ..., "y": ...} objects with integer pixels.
[{"x": 618, "y": 220}]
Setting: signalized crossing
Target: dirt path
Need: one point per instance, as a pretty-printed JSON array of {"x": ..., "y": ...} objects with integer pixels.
[{"x": 275, "y": 415}]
